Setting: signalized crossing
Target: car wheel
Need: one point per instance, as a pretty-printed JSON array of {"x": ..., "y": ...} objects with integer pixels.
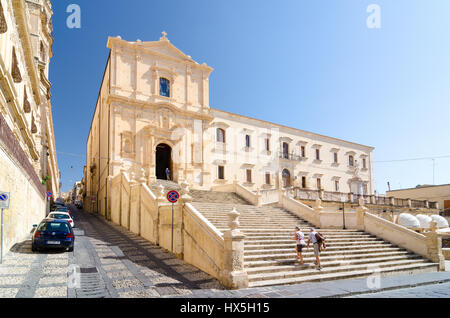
[
  {"x": 70, "y": 249},
  {"x": 33, "y": 248}
]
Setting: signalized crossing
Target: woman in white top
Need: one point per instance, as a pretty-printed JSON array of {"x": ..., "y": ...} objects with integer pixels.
[{"x": 300, "y": 239}]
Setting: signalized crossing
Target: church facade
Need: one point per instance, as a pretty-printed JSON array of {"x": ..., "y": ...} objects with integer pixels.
[{"x": 153, "y": 119}]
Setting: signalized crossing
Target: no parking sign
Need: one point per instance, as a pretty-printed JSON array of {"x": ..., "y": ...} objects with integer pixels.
[
  {"x": 173, "y": 196},
  {"x": 4, "y": 200}
]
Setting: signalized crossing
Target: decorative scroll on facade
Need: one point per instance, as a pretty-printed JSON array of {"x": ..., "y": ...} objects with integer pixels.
[
  {"x": 26, "y": 103},
  {"x": 15, "y": 72},
  {"x": 3, "y": 25},
  {"x": 33, "y": 126},
  {"x": 127, "y": 145}
]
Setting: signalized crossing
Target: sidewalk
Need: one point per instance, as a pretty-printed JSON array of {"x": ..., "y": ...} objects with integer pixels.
[{"x": 339, "y": 288}]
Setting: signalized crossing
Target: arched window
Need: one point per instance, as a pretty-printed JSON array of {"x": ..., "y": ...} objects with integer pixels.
[
  {"x": 164, "y": 87},
  {"x": 351, "y": 161},
  {"x": 220, "y": 135}
]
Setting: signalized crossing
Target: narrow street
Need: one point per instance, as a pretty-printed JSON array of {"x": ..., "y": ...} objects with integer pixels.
[{"x": 111, "y": 261}]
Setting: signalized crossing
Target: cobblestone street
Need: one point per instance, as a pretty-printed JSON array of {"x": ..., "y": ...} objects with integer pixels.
[{"x": 115, "y": 263}]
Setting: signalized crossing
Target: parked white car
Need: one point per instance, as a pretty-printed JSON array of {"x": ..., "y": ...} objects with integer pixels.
[{"x": 61, "y": 216}]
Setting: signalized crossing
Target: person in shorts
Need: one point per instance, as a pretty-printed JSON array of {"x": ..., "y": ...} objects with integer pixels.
[
  {"x": 300, "y": 239},
  {"x": 313, "y": 239}
]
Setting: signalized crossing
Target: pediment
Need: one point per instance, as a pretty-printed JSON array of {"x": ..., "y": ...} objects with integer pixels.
[{"x": 166, "y": 48}]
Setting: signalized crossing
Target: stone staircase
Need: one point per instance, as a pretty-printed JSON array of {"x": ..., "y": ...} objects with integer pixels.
[{"x": 270, "y": 257}]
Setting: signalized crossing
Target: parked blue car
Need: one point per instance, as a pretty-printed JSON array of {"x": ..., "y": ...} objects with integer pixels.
[{"x": 53, "y": 234}]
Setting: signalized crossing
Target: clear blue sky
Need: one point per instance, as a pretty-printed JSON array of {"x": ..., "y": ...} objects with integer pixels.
[{"x": 312, "y": 65}]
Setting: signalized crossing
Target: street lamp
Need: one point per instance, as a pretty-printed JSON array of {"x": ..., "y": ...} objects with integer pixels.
[{"x": 343, "y": 211}]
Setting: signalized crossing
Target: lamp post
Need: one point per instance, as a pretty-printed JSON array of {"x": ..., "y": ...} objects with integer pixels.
[{"x": 343, "y": 211}]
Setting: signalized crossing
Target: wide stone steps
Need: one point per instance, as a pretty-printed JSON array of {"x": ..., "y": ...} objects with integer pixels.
[
  {"x": 269, "y": 248},
  {"x": 298, "y": 271},
  {"x": 286, "y": 255},
  {"x": 254, "y": 271},
  {"x": 251, "y": 247},
  {"x": 310, "y": 258},
  {"x": 324, "y": 275}
]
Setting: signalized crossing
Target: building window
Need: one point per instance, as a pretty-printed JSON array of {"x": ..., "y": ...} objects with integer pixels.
[
  {"x": 303, "y": 151},
  {"x": 335, "y": 155},
  {"x": 15, "y": 72},
  {"x": 247, "y": 141},
  {"x": 220, "y": 135},
  {"x": 351, "y": 161},
  {"x": 303, "y": 182},
  {"x": 364, "y": 163},
  {"x": 319, "y": 184},
  {"x": 221, "y": 173},
  {"x": 164, "y": 87},
  {"x": 317, "y": 154},
  {"x": 285, "y": 150},
  {"x": 3, "y": 25},
  {"x": 336, "y": 185},
  {"x": 267, "y": 178},
  {"x": 249, "y": 175},
  {"x": 267, "y": 144}
]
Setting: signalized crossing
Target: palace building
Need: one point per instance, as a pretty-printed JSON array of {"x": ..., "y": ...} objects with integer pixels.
[
  {"x": 28, "y": 159},
  {"x": 153, "y": 114}
]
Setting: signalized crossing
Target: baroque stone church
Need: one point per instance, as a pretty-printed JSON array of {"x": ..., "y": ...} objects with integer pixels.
[{"x": 153, "y": 119}]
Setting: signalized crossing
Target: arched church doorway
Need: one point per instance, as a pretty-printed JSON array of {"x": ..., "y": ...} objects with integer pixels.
[
  {"x": 163, "y": 161},
  {"x": 286, "y": 178}
]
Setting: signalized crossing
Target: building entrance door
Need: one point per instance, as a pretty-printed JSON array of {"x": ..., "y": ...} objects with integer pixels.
[
  {"x": 286, "y": 178},
  {"x": 163, "y": 161}
]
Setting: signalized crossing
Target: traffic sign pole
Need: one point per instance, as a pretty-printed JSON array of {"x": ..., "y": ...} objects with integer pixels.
[
  {"x": 1, "y": 252},
  {"x": 172, "y": 227}
]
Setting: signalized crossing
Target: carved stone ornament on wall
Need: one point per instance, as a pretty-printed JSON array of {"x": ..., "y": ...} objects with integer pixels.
[
  {"x": 33, "y": 125},
  {"x": 3, "y": 25},
  {"x": 26, "y": 103},
  {"x": 127, "y": 145},
  {"x": 15, "y": 72}
]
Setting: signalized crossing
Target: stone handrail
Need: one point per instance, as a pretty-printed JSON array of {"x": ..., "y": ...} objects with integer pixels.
[
  {"x": 300, "y": 209},
  {"x": 204, "y": 246},
  {"x": 396, "y": 234},
  {"x": 204, "y": 223},
  {"x": 269, "y": 196},
  {"x": 248, "y": 195}
]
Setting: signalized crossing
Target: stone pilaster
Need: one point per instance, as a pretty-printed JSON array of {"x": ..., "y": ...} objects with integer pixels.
[
  {"x": 234, "y": 274},
  {"x": 318, "y": 208},
  {"x": 434, "y": 246},
  {"x": 360, "y": 213}
]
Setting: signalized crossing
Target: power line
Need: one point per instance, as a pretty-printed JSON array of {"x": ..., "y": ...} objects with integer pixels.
[{"x": 412, "y": 159}]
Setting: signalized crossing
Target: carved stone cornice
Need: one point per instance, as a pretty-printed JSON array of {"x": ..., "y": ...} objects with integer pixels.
[{"x": 137, "y": 103}]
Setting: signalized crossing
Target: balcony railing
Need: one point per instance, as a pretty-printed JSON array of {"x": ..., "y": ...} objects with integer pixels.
[
  {"x": 289, "y": 156},
  {"x": 309, "y": 194}
]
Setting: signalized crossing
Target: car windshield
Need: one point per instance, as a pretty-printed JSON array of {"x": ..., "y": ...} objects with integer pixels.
[
  {"x": 62, "y": 209},
  {"x": 59, "y": 216},
  {"x": 54, "y": 227}
]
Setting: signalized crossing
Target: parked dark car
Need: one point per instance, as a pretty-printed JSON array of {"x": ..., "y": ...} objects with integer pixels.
[{"x": 53, "y": 234}]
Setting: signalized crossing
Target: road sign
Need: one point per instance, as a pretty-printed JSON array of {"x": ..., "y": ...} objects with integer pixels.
[
  {"x": 4, "y": 200},
  {"x": 173, "y": 196},
  {"x": 48, "y": 194}
]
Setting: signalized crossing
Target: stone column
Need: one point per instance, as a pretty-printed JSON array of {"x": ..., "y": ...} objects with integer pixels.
[
  {"x": 427, "y": 204},
  {"x": 372, "y": 199},
  {"x": 409, "y": 203},
  {"x": 391, "y": 200},
  {"x": 234, "y": 274},
  {"x": 434, "y": 246},
  {"x": 360, "y": 213},
  {"x": 318, "y": 208}
]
